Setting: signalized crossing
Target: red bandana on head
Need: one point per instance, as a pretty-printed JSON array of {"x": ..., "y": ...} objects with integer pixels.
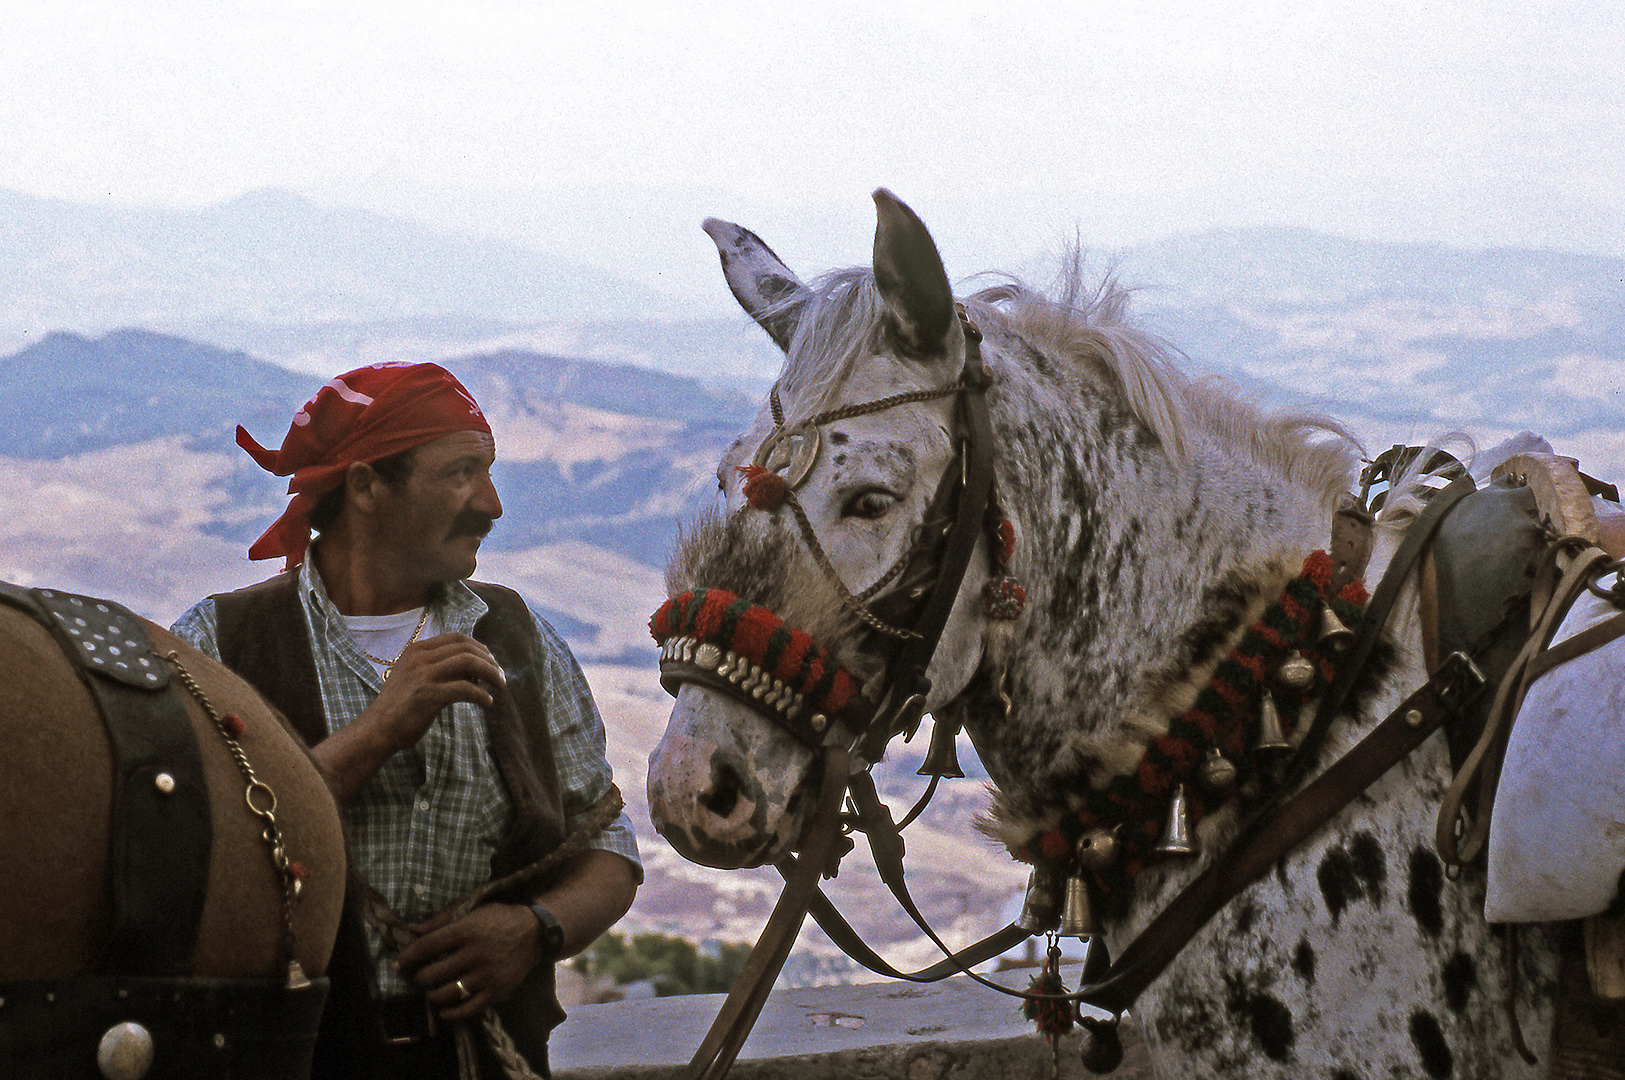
[{"x": 362, "y": 415}]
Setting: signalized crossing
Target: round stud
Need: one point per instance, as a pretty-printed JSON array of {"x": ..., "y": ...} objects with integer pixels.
[
  {"x": 125, "y": 1052},
  {"x": 219, "y": 1040},
  {"x": 1413, "y": 717},
  {"x": 1096, "y": 849},
  {"x": 819, "y": 722},
  {"x": 1296, "y": 672},
  {"x": 164, "y": 783}
]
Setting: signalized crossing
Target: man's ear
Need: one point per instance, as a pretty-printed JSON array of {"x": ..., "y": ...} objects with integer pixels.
[{"x": 362, "y": 487}]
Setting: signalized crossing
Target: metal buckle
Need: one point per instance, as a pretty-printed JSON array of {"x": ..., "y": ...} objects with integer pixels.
[
  {"x": 391, "y": 1010},
  {"x": 1462, "y": 678}
]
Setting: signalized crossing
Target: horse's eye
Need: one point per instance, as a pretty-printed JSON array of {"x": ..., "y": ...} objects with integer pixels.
[{"x": 869, "y": 504}]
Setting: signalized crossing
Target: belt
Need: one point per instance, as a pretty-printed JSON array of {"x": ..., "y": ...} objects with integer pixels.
[
  {"x": 406, "y": 1020},
  {"x": 199, "y": 1028}
]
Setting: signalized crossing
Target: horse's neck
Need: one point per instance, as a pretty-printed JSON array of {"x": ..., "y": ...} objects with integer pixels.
[{"x": 1124, "y": 554}]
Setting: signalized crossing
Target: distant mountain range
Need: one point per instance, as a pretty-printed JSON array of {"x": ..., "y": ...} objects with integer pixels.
[{"x": 613, "y": 455}]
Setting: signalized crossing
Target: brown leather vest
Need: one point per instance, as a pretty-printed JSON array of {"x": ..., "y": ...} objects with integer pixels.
[{"x": 262, "y": 636}]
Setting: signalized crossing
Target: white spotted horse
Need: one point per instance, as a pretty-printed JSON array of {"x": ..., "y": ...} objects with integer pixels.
[
  {"x": 1136, "y": 592},
  {"x": 174, "y": 861}
]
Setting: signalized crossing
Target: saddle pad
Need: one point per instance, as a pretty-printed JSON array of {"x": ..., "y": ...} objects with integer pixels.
[{"x": 1557, "y": 830}]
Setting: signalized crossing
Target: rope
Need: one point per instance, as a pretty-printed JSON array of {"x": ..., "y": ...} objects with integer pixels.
[{"x": 397, "y": 934}]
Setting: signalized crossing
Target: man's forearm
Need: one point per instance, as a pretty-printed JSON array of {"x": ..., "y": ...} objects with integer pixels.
[{"x": 594, "y": 891}]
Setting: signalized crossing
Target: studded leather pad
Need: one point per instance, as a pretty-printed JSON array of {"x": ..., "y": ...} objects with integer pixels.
[{"x": 161, "y": 829}]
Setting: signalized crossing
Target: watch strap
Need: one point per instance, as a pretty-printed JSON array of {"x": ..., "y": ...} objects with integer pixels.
[{"x": 550, "y": 933}]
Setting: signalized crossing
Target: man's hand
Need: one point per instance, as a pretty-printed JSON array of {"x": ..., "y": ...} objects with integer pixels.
[
  {"x": 429, "y": 675},
  {"x": 490, "y": 951}
]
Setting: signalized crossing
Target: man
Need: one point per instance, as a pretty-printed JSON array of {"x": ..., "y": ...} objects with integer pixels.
[{"x": 455, "y": 728}]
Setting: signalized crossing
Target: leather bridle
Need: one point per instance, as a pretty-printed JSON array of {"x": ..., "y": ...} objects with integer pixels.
[{"x": 913, "y": 614}]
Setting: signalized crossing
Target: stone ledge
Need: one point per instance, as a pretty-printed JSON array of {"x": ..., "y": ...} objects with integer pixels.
[{"x": 952, "y": 1029}]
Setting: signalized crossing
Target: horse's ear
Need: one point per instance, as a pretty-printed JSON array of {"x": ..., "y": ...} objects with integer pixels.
[
  {"x": 909, "y": 274},
  {"x": 767, "y": 289}
]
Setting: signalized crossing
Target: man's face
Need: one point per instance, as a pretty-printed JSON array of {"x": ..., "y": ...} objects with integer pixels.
[{"x": 431, "y": 524}]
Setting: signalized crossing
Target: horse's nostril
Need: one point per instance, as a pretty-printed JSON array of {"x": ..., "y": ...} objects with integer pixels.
[{"x": 725, "y": 789}]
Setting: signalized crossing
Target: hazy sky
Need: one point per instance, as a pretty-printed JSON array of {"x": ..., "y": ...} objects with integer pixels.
[{"x": 606, "y": 131}]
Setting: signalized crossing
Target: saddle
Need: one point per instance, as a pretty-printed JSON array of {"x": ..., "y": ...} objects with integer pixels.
[{"x": 1517, "y": 570}]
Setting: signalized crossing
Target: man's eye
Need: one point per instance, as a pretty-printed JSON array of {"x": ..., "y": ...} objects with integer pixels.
[{"x": 869, "y": 504}]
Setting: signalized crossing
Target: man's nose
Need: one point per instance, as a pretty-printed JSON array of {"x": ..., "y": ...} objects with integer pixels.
[
  {"x": 489, "y": 502},
  {"x": 486, "y": 500}
]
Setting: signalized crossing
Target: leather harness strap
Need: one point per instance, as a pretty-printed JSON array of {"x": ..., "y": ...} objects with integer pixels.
[
  {"x": 1406, "y": 728},
  {"x": 1482, "y": 766},
  {"x": 738, "y": 1014},
  {"x": 160, "y": 827}
]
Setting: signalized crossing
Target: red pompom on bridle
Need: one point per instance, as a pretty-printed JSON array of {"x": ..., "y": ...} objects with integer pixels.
[{"x": 764, "y": 489}]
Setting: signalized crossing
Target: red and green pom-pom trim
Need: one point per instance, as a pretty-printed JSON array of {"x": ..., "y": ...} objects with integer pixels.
[
  {"x": 1224, "y": 717},
  {"x": 732, "y": 623}
]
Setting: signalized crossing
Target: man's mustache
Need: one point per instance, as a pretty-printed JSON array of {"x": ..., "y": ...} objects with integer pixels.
[{"x": 470, "y": 523}]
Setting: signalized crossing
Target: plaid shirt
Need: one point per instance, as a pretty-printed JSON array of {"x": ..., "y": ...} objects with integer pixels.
[{"x": 423, "y": 829}]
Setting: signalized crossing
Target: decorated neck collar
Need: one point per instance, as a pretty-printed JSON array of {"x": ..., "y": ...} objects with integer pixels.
[{"x": 1229, "y": 741}]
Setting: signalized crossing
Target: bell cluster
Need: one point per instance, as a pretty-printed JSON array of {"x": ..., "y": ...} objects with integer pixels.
[
  {"x": 751, "y": 681},
  {"x": 1059, "y": 903},
  {"x": 1062, "y": 905}
]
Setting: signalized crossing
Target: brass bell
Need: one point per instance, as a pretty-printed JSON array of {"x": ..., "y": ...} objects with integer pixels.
[
  {"x": 1176, "y": 835},
  {"x": 1102, "y": 1047},
  {"x": 1041, "y": 910},
  {"x": 1078, "y": 917},
  {"x": 1218, "y": 772},
  {"x": 1296, "y": 672},
  {"x": 1332, "y": 630},
  {"x": 1096, "y": 849},
  {"x": 1271, "y": 736},
  {"x": 941, "y": 756}
]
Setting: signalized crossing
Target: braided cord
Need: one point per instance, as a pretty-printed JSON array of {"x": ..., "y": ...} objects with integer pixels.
[
  {"x": 846, "y": 412},
  {"x": 850, "y": 602}
]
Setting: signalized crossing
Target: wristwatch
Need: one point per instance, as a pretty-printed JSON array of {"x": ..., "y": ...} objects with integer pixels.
[{"x": 549, "y": 933}]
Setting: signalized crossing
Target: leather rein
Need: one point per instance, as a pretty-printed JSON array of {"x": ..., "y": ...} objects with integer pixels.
[{"x": 849, "y": 744}]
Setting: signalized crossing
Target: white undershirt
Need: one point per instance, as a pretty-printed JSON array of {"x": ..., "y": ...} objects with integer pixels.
[{"x": 384, "y": 637}]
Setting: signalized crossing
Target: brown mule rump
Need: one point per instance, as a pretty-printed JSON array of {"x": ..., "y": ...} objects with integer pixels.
[{"x": 56, "y": 900}]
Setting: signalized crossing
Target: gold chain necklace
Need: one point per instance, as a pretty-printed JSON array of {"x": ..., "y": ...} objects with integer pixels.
[{"x": 389, "y": 665}]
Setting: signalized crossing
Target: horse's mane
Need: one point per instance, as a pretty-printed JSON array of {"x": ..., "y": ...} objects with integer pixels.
[{"x": 1086, "y": 328}]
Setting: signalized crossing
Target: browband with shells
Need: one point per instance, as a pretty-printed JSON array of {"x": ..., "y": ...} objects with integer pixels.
[{"x": 685, "y": 659}]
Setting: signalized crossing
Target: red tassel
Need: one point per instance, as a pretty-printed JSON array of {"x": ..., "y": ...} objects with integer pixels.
[
  {"x": 1007, "y": 540},
  {"x": 298, "y": 870},
  {"x": 764, "y": 490},
  {"x": 233, "y": 724}
]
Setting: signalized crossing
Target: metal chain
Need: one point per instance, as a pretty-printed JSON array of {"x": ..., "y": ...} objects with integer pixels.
[{"x": 264, "y": 809}]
